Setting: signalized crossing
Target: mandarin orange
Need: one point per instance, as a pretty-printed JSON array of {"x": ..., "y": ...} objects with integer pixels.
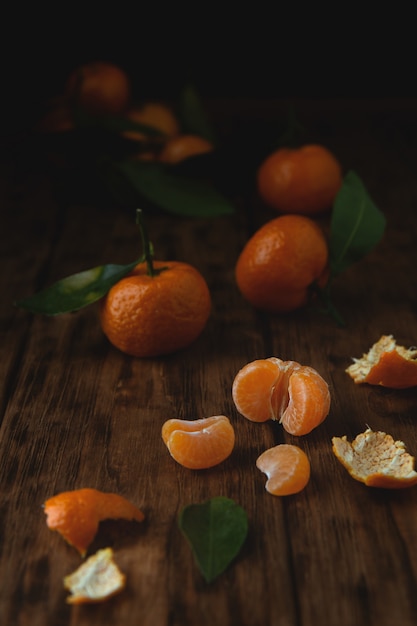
[
  {"x": 287, "y": 468},
  {"x": 157, "y": 115},
  {"x": 301, "y": 180},
  {"x": 150, "y": 315},
  {"x": 181, "y": 147},
  {"x": 294, "y": 394},
  {"x": 201, "y": 443},
  {"x": 281, "y": 262}
]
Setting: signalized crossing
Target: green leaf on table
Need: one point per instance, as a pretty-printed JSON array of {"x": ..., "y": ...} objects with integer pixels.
[
  {"x": 357, "y": 225},
  {"x": 192, "y": 115},
  {"x": 216, "y": 531},
  {"x": 76, "y": 291},
  {"x": 174, "y": 193}
]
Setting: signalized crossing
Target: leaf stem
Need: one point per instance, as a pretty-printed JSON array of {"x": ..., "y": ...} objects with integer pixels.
[
  {"x": 330, "y": 309},
  {"x": 146, "y": 245}
]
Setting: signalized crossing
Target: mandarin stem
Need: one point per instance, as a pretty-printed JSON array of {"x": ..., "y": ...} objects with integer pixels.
[{"x": 146, "y": 245}]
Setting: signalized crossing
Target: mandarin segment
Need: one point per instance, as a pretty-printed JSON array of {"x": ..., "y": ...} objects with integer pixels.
[
  {"x": 97, "y": 579},
  {"x": 376, "y": 460},
  {"x": 294, "y": 394},
  {"x": 386, "y": 364},
  {"x": 287, "y": 468},
  {"x": 76, "y": 514},
  {"x": 200, "y": 443},
  {"x": 181, "y": 147},
  {"x": 281, "y": 262}
]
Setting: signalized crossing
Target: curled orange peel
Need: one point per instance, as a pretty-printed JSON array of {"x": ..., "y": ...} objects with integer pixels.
[
  {"x": 386, "y": 364},
  {"x": 376, "y": 460},
  {"x": 76, "y": 514}
]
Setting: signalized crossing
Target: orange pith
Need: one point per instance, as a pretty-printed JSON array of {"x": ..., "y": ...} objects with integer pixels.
[
  {"x": 97, "y": 579},
  {"x": 201, "y": 443},
  {"x": 301, "y": 180},
  {"x": 376, "y": 460},
  {"x": 294, "y": 394},
  {"x": 280, "y": 262},
  {"x": 77, "y": 514},
  {"x": 182, "y": 147},
  {"x": 287, "y": 468},
  {"x": 147, "y": 316},
  {"x": 386, "y": 364}
]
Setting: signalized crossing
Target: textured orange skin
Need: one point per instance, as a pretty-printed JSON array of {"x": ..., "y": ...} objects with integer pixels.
[
  {"x": 100, "y": 88},
  {"x": 182, "y": 147},
  {"x": 294, "y": 394},
  {"x": 302, "y": 180},
  {"x": 394, "y": 371},
  {"x": 279, "y": 263},
  {"x": 201, "y": 443},
  {"x": 148, "y": 316},
  {"x": 76, "y": 514}
]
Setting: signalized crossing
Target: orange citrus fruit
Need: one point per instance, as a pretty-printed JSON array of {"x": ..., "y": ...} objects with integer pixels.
[
  {"x": 156, "y": 115},
  {"x": 281, "y": 262},
  {"x": 144, "y": 315},
  {"x": 76, "y": 514},
  {"x": 287, "y": 468},
  {"x": 376, "y": 460},
  {"x": 386, "y": 364},
  {"x": 97, "y": 579},
  {"x": 100, "y": 88},
  {"x": 201, "y": 443},
  {"x": 182, "y": 147},
  {"x": 301, "y": 180},
  {"x": 294, "y": 394}
]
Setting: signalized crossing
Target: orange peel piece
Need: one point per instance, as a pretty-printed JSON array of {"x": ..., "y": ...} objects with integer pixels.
[
  {"x": 386, "y": 364},
  {"x": 76, "y": 514},
  {"x": 97, "y": 579},
  {"x": 287, "y": 468},
  {"x": 376, "y": 460}
]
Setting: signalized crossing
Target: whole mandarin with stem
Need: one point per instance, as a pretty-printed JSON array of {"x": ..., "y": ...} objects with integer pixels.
[
  {"x": 302, "y": 180},
  {"x": 281, "y": 262},
  {"x": 100, "y": 88},
  {"x": 158, "y": 308}
]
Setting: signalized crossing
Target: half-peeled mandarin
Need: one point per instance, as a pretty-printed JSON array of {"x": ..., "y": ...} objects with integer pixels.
[
  {"x": 200, "y": 443},
  {"x": 386, "y": 364},
  {"x": 376, "y": 460},
  {"x": 76, "y": 514}
]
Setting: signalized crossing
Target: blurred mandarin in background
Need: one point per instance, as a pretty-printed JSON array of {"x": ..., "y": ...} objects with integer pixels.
[{"x": 181, "y": 147}]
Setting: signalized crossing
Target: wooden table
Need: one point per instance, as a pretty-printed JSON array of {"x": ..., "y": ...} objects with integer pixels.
[{"x": 76, "y": 413}]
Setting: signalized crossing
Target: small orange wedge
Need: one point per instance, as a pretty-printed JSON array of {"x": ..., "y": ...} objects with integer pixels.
[
  {"x": 374, "y": 458},
  {"x": 97, "y": 579},
  {"x": 386, "y": 364},
  {"x": 76, "y": 514},
  {"x": 201, "y": 443},
  {"x": 287, "y": 468}
]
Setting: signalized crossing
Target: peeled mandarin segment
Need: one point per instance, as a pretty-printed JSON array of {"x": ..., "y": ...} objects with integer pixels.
[
  {"x": 199, "y": 444},
  {"x": 252, "y": 389},
  {"x": 77, "y": 514},
  {"x": 287, "y": 468},
  {"x": 376, "y": 460},
  {"x": 97, "y": 579},
  {"x": 386, "y": 364},
  {"x": 309, "y": 401}
]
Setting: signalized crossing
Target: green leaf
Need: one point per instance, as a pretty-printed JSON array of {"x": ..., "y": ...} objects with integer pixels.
[
  {"x": 216, "y": 531},
  {"x": 357, "y": 225},
  {"x": 173, "y": 193},
  {"x": 76, "y": 291},
  {"x": 193, "y": 116}
]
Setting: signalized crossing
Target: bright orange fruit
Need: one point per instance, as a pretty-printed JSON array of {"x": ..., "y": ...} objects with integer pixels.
[
  {"x": 281, "y": 262},
  {"x": 97, "y": 579},
  {"x": 100, "y": 88},
  {"x": 386, "y": 364},
  {"x": 182, "y": 147},
  {"x": 301, "y": 180},
  {"x": 294, "y": 394},
  {"x": 146, "y": 316},
  {"x": 201, "y": 443},
  {"x": 287, "y": 468},
  {"x": 376, "y": 460},
  {"x": 76, "y": 514}
]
